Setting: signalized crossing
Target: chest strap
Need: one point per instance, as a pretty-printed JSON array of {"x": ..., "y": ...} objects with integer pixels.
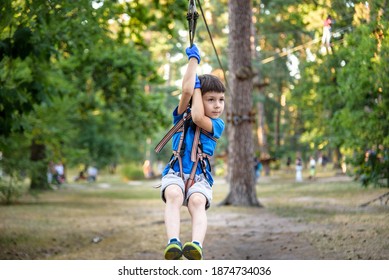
[{"x": 179, "y": 127}]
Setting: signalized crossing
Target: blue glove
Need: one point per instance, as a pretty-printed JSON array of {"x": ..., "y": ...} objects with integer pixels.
[
  {"x": 193, "y": 52},
  {"x": 197, "y": 82}
]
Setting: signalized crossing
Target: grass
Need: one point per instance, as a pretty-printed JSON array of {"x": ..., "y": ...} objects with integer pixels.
[
  {"x": 69, "y": 222},
  {"x": 340, "y": 228},
  {"x": 62, "y": 222}
]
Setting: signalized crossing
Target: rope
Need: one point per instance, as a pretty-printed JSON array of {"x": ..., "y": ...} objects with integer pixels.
[
  {"x": 213, "y": 45},
  {"x": 299, "y": 47}
]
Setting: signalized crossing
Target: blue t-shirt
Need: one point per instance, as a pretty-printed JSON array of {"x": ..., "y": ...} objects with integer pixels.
[{"x": 208, "y": 146}]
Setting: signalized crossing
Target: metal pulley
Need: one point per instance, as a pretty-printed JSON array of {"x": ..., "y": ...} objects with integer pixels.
[{"x": 192, "y": 17}]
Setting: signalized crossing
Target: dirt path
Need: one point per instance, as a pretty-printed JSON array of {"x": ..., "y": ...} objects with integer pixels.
[
  {"x": 256, "y": 234},
  {"x": 239, "y": 233},
  {"x": 234, "y": 233}
]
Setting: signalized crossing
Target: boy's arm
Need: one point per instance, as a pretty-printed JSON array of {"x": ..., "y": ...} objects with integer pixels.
[
  {"x": 188, "y": 83},
  {"x": 198, "y": 115}
]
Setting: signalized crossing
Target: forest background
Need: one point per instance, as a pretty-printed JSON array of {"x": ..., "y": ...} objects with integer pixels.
[{"x": 94, "y": 82}]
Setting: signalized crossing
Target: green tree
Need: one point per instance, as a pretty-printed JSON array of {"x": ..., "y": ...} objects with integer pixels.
[
  {"x": 70, "y": 68},
  {"x": 362, "y": 85},
  {"x": 341, "y": 97}
]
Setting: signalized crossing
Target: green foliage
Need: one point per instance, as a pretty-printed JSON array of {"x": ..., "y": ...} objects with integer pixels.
[
  {"x": 75, "y": 80},
  {"x": 364, "y": 116},
  {"x": 132, "y": 171},
  {"x": 13, "y": 168},
  {"x": 11, "y": 189},
  {"x": 342, "y": 96},
  {"x": 372, "y": 168}
]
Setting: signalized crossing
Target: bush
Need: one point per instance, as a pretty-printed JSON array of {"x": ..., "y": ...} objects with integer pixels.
[
  {"x": 12, "y": 178},
  {"x": 372, "y": 168},
  {"x": 11, "y": 190},
  {"x": 132, "y": 171}
]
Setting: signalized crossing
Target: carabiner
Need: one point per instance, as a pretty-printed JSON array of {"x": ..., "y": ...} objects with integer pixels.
[{"x": 192, "y": 17}]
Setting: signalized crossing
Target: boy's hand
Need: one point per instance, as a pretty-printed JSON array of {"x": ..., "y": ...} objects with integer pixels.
[
  {"x": 197, "y": 82},
  {"x": 193, "y": 52}
]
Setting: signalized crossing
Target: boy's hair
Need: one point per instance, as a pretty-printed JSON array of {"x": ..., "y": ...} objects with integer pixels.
[{"x": 211, "y": 83}]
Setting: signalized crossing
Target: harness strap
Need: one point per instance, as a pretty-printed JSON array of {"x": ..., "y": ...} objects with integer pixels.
[
  {"x": 200, "y": 156},
  {"x": 171, "y": 132},
  {"x": 177, "y": 128},
  {"x": 177, "y": 156},
  {"x": 196, "y": 141},
  {"x": 206, "y": 133}
]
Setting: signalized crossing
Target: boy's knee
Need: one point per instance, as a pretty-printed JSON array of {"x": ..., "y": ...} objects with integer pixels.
[
  {"x": 174, "y": 193},
  {"x": 197, "y": 200}
]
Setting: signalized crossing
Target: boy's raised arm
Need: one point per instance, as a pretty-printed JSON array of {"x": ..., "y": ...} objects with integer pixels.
[{"x": 188, "y": 81}]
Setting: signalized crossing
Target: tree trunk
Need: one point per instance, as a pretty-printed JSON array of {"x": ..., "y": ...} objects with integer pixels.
[
  {"x": 277, "y": 136},
  {"x": 38, "y": 168},
  {"x": 262, "y": 138},
  {"x": 337, "y": 158},
  {"x": 240, "y": 151}
]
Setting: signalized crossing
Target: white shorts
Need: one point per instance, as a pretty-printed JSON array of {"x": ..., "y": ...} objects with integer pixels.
[{"x": 200, "y": 185}]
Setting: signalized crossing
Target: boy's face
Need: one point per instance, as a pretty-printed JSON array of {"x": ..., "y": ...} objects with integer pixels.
[{"x": 213, "y": 104}]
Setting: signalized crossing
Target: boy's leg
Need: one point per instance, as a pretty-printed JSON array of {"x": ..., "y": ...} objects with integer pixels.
[
  {"x": 196, "y": 205},
  {"x": 174, "y": 199}
]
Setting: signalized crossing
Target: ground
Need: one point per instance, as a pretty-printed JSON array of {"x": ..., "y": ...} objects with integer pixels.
[
  {"x": 314, "y": 220},
  {"x": 257, "y": 234}
]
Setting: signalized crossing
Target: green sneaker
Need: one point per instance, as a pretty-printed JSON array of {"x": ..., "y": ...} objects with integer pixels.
[
  {"x": 173, "y": 250},
  {"x": 192, "y": 251}
]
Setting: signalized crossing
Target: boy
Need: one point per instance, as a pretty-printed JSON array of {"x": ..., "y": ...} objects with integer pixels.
[{"x": 206, "y": 95}]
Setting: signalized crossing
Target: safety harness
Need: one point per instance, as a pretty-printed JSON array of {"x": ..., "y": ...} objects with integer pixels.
[{"x": 197, "y": 155}]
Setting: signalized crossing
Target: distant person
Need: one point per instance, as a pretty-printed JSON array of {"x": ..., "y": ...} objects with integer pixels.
[
  {"x": 326, "y": 38},
  {"x": 312, "y": 168},
  {"x": 257, "y": 169},
  {"x": 92, "y": 173},
  {"x": 59, "y": 175},
  {"x": 80, "y": 176},
  {"x": 147, "y": 169},
  {"x": 299, "y": 169}
]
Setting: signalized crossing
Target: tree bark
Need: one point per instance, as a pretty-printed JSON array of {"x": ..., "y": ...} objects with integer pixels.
[
  {"x": 240, "y": 151},
  {"x": 38, "y": 169},
  {"x": 262, "y": 139},
  {"x": 277, "y": 136}
]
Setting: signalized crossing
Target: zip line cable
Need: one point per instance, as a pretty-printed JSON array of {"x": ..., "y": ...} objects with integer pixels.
[
  {"x": 266, "y": 60},
  {"x": 299, "y": 47},
  {"x": 213, "y": 45},
  {"x": 284, "y": 53}
]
